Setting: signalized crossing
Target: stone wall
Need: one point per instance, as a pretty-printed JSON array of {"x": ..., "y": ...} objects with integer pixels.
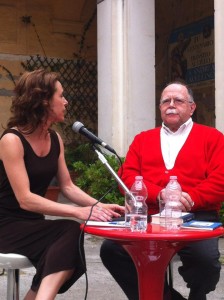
[
  {"x": 50, "y": 28},
  {"x": 57, "y": 29}
]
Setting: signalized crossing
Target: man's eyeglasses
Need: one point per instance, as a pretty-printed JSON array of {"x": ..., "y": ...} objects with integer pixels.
[{"x": 176, "y": 101}]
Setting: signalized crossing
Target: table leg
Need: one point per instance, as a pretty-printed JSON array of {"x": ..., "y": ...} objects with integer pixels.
[{"x": 151, "y": 259}]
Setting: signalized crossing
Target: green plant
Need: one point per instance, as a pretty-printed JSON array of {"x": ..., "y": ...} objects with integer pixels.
[
  {"x": 222, "y": 213},
  {"x": 95, "y": 179},
  {"x": 81, "y": 153}
]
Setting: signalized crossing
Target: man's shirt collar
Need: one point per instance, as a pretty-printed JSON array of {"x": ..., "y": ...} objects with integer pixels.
[{"x": 181, "y": 129}]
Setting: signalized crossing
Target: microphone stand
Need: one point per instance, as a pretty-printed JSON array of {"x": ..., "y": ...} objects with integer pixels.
[{"x": 114, "y": 174}]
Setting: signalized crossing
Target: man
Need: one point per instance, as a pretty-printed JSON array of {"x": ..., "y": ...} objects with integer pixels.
[{"x": 195, "y": 154}]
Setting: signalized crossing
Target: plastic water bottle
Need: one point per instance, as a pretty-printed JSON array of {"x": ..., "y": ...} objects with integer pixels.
[
  {"x": 139, "y": 210},
  {"x": 172, "y": 204}
]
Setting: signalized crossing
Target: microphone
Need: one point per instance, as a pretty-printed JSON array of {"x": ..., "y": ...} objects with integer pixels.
[{"x": 80, "y": 128}]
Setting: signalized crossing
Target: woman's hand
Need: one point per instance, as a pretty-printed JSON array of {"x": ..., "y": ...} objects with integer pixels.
[
  {"x": 115, "y": 209},
  {"x": 100, "y": 212}
]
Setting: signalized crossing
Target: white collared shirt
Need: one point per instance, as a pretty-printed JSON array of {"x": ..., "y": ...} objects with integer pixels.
[{"x": 172, "y": 142}]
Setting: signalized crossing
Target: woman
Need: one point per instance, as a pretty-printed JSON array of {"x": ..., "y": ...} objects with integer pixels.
[{"x": 31, "y": 154}]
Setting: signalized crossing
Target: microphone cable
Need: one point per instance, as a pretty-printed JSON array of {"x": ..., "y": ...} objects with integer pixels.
[
  {"x": 82, "y": 233},
  {"x": 81, "y": 237}
]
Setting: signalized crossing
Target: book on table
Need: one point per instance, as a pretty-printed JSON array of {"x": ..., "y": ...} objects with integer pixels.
[
  {"x": 107, "y": 224},
  {"x": 185, "y": 217},
  {"x": 201, "y": 225}
]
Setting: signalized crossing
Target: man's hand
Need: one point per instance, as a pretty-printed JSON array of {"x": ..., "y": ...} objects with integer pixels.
[{"x": 186, "y": 201}]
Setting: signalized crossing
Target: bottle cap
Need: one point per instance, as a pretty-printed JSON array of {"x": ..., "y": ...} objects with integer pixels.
[{"x": 138, "y": 177}]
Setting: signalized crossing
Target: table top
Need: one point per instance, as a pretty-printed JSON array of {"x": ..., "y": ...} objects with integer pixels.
[{"x": 154, "y": 232}]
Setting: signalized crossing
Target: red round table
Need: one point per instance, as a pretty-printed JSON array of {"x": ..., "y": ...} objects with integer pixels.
[{"x": 152, "y": 251}]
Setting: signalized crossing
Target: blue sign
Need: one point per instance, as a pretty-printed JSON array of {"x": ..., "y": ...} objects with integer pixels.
[{"x": 191, "y": 52}]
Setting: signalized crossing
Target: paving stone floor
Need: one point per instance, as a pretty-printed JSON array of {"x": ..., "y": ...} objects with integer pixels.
[{"x": 101, "y": 284}]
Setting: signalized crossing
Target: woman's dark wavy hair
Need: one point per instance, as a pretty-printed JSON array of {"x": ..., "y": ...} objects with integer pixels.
[{"x": 31, "y": 99}]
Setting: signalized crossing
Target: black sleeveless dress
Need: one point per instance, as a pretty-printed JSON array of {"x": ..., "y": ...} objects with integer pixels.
[{"x": 51, "y": 245}]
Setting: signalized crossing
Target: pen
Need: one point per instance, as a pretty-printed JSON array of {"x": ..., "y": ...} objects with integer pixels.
[{"x": 117, "y": 222}]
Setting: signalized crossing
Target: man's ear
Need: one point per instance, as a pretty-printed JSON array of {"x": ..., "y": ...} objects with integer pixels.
[{"x": 193, "y": 107}]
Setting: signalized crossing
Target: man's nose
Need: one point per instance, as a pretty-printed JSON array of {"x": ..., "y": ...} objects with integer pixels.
[{"x": 172, "y": 102}]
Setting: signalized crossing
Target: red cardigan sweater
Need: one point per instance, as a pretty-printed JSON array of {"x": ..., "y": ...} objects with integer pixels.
[{"x": 199, "y": 166}]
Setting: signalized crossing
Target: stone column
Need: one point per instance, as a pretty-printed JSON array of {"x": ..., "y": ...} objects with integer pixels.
[{"x": 126, "y": 73}]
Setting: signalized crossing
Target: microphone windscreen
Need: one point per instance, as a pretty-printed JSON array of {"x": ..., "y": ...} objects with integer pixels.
[{"x": 77, "y": 126}]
